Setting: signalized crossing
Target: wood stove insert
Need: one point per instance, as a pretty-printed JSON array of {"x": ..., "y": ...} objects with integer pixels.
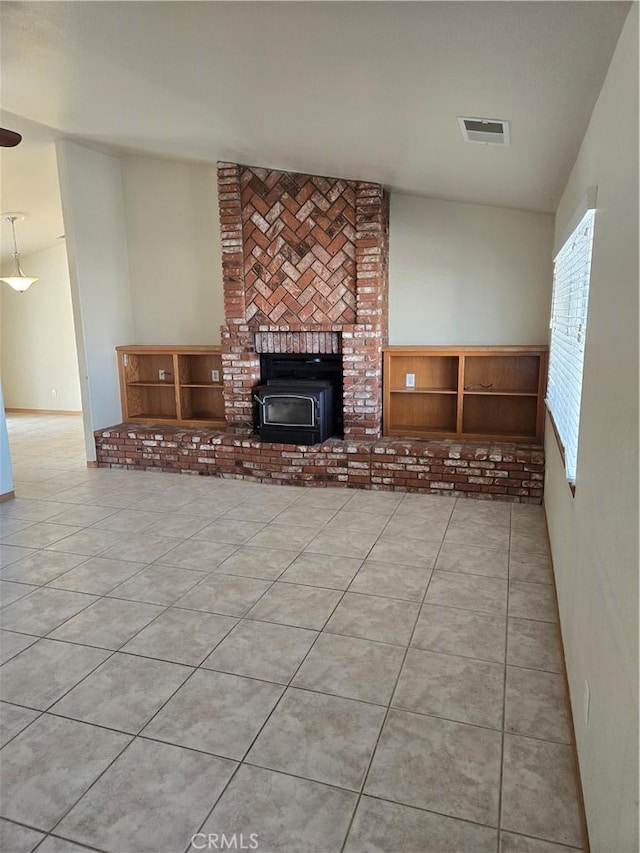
[{"x": 300, "y": 398}]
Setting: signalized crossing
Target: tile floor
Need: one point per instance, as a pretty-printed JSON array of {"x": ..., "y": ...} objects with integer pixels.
[{"x": 329, "y": 670}]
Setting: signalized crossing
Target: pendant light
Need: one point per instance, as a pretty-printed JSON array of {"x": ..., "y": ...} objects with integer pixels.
[{"x": 18, "y": 281}]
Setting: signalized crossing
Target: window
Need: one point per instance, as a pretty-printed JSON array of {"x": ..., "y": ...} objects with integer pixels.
[{"x": 572, "y": 270}]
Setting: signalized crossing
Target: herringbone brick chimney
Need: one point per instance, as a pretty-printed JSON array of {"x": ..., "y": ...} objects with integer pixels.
[{"x": 305, "y": 269}]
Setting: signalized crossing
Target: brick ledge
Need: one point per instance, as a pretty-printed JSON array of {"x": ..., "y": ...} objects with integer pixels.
[{"x": 490, "y": 471}]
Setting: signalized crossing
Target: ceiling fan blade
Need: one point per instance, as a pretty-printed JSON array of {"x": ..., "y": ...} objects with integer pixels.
[{"x": 9, "y": 138}]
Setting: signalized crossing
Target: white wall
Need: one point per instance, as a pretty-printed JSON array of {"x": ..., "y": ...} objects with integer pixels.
[
  {"x": 468, "y": 273},
  {"x": 93, "y": 211},
  {"x": 459, "y": 273},
  {"x": 6, "y": 476},
  {"x": 173, "y": 237},
  {"x": 594, "y": 536},
  {"x": 38, "y": 338}
]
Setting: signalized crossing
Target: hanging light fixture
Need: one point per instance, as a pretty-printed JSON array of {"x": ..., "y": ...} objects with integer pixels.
[{"x": 18, "y": 281}]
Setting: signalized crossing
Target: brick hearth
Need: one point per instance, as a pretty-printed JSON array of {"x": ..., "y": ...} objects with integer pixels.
[{"x": 502, "y": 471}]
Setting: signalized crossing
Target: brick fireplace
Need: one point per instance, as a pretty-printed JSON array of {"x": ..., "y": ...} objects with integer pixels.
[{"x": 305, "y": 270}]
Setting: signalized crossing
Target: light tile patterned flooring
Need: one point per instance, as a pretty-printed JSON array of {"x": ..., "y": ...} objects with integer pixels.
[{"x": 328, "y": 669}]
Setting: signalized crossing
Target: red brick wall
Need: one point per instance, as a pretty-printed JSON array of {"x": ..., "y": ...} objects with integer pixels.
[
  {"x": 506, "y": 472},
  {"x": 231, "y": 242},
  {"x": 298, "y": 235},
  {"x": 298, "y": 342},
  {"x": 362, "y": 343},
  {"x": 305, "y": 269}
]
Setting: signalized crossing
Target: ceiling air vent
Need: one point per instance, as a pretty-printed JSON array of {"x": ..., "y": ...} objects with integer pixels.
[{"x": 489, "y": 131}]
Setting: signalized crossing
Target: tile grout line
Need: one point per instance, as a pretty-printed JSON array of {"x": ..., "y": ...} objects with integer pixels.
[
  {"x": 176, "y": 604},
  {"x": 167, "y": 607},
  {"x": 305, "y": 779},
  {"x": 133, "y": 737},
  {"x": 56, "y": 577},
  {"x": 274, "y": 581},
  {"x": 97, "y": 598},
  {"x": 277, "y": 704},
  {"x": 44, "y": 833},
  {"x": 112, "y": 654},
  {"x": 284, "y": 686},
  {"x": 84, "y": 645},
  {"x": 504, "y": 694},
  {"x": 395, "y": 687},
  {"x": 139, "y": 733}
]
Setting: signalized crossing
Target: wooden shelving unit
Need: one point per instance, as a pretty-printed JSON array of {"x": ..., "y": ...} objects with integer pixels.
[
  {"x": 171, "y": 385},
  {"x": 493, "y": 393}
]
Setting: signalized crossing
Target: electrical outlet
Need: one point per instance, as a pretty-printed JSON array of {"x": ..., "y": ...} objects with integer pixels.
[
  {"x": 162, "y": 375},
  {"x": 54, "y": 393},
  {"x": 215, "y": 376},
  {"x": 410, "y": 380},
  {"x": 586, "y": 700}
]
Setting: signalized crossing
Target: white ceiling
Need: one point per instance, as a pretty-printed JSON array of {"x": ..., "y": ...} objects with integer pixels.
[{"x": 355, "y": 89}]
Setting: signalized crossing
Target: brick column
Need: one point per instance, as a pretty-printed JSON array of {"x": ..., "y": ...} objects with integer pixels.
[
  {"x": 362, "y": 343},
  {"x": 241, "y": 372},
  {"x": 231, "y": 242},
  {"x": 335, "y": 259},
  {"x": 240, "y": 364}
]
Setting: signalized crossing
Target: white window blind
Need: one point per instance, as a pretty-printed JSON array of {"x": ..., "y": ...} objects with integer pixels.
[{"x": 572, "y": 271}]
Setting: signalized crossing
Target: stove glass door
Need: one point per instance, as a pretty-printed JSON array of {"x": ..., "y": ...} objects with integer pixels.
[{"x": 288, "y": 410}]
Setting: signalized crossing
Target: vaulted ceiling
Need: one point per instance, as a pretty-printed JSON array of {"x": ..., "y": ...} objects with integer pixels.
[{"x": 367, "y": 90}]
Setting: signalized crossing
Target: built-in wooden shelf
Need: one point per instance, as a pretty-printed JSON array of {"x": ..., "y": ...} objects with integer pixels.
[
  {"x": 157, "y": 384},
  {"x": 421, "y": 391},
  {"x": 186, "y": 395},
  {"x": 499, "y": 393},
  {"x": 470, "y": 393}
]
